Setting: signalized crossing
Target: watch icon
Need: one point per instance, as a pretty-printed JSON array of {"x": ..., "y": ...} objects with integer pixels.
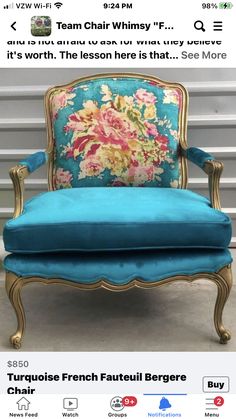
[{"x": 70, "y": 403}]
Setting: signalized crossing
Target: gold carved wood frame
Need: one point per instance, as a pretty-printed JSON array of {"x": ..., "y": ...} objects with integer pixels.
[{"x": 222, "y": 279}]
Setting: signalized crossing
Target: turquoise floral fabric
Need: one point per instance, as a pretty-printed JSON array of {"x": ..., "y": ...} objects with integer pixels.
[{"x": 116, "y": 132}]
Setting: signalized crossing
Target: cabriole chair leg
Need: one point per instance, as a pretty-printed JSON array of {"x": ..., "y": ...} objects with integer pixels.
[
  {"x": 223, "y": 280},
  {"x": 13, "y": 288}
]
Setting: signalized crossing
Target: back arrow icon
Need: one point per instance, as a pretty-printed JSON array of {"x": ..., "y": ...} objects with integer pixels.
[{"x": 13, "y": 26}]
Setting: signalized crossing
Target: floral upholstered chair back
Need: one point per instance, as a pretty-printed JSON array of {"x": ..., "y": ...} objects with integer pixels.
[{"x": 116, "y": 130}]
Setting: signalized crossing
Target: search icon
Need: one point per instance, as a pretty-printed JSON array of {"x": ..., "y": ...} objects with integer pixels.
[{"x": 199, "y": 26}]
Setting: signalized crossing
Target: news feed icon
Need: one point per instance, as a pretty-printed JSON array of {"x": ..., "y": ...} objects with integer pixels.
[{"x": 41, "y": 26}]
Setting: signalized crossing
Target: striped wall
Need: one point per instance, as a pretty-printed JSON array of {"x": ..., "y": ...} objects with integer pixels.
[{"x": 212, "y": 125}]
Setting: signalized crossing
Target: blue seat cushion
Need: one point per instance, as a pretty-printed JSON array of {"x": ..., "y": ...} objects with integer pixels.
[
  {"x": 119, "y": 268},
  {"x": 116, "y": 218}
]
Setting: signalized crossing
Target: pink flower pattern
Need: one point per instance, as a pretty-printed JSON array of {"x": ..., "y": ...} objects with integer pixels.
[
  {"x": 120, "y": 136},
  {"x": 145, "y": 98},
  {"x": 61, "y": 100},
  {"x": 63, "y": 178}
]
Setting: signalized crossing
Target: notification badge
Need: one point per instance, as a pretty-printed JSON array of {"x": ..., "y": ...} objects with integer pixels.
[{"x": 129, "y": 401}]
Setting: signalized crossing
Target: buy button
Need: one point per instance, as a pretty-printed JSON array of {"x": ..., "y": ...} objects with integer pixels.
[{"x": 216, "y": 384}]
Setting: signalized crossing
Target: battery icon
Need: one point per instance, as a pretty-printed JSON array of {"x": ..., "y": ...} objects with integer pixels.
[{"x": 226, "y": 5}]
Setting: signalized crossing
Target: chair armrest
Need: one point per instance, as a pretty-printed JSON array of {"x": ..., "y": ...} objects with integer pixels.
[
  {"x": 198, "y": 156},
  {"x": 34, "y": 161},
  {"x": 213, "y": 168},
  {"x": 20, "y": 172}
]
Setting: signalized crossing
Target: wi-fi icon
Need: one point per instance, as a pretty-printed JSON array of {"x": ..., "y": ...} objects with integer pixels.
[{"x": 58, "y": 4}]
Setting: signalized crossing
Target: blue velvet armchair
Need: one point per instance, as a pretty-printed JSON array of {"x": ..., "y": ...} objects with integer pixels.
[{"x": 118, "y": 213}]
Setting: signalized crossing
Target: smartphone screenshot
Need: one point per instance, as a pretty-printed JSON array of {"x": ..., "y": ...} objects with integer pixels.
[{"x": 117, "y": 209}]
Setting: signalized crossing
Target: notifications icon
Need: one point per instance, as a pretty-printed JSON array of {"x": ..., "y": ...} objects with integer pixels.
[
  {"x": 199, "y": 25},
  {"x": 164, "y": 404}
]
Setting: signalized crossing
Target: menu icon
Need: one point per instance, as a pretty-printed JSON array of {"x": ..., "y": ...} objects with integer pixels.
[{"x": 217, "y": 25}]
